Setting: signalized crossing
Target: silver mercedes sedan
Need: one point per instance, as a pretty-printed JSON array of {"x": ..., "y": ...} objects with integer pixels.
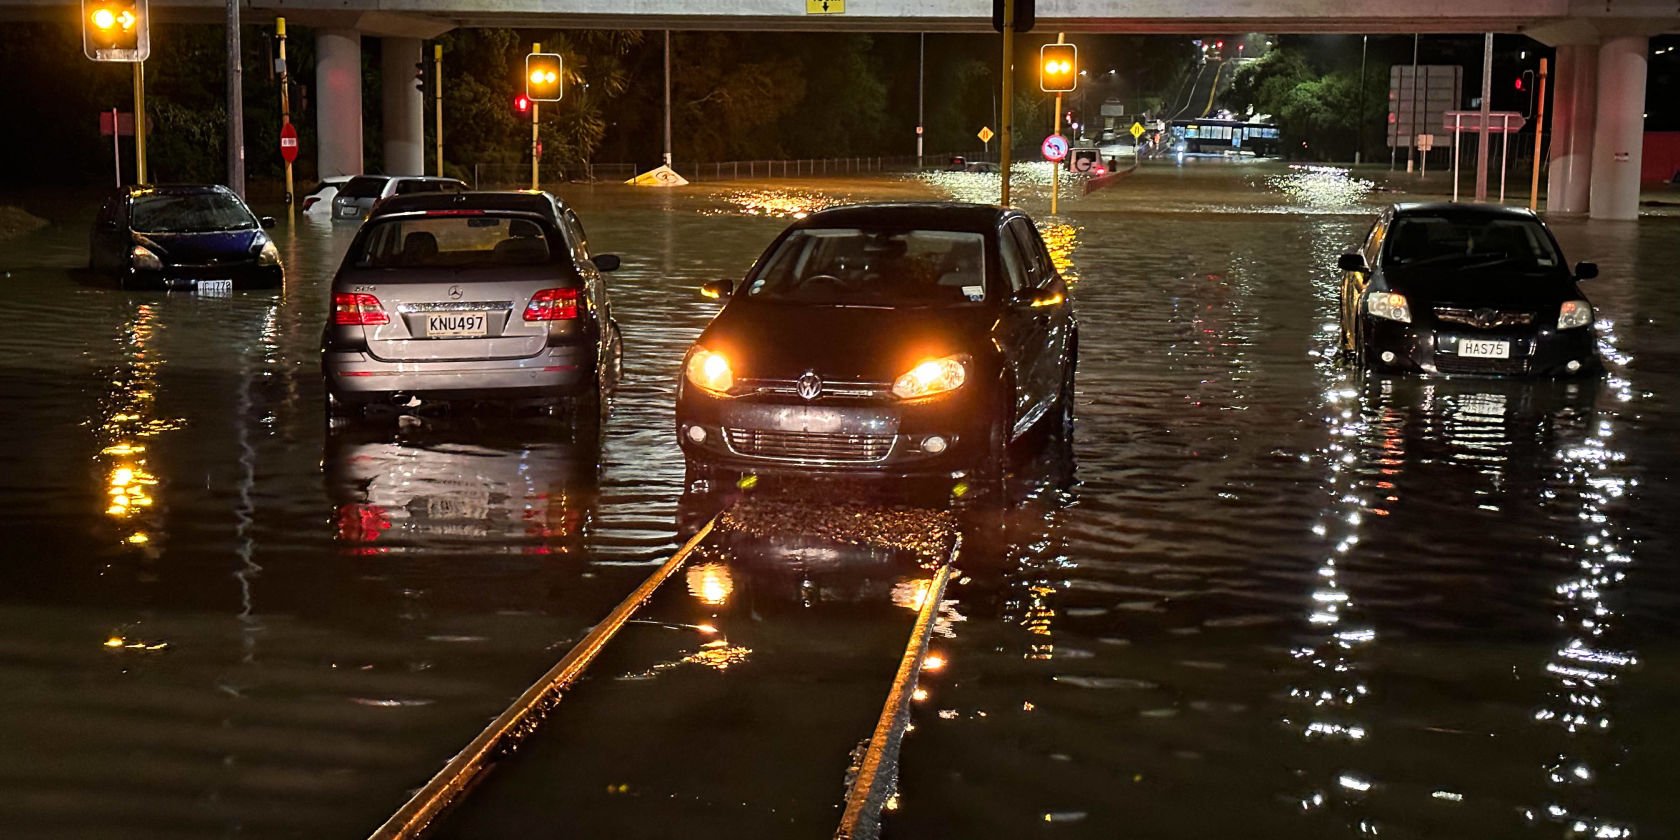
[{"x": 469, "y": 297}]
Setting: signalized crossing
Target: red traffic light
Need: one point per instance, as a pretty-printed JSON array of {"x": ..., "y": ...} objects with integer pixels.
[
  {"x": 1519, "y": 83},
  {"x": 522, "y": 104}
]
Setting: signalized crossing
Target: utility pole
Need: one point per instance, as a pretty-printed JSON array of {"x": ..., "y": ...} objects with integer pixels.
[
  {"x": 437, "y": 102},
  {"x": 1539, "y": 132},
  {"x": 921, "y": 81},
  {"x": 139, "y": 122},
  {"x": 235, "y": 104},
  {"x": 1359, "y": 116},
  {"x": 1485, "y": 118},
  {"x": 1006, "y": 131},
  {"x": 536, "y": 142},
  {"x": 667, "y": 97},
  {"x": 285, "y": 107}
]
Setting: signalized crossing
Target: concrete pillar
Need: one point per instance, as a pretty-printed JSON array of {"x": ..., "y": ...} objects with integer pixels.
[
  {"x": 404, "y": 108},
  {"x": 338, "y": 102},
  {"x": 1574, "y": 111},
  {"x": 1619, "y": 139}
]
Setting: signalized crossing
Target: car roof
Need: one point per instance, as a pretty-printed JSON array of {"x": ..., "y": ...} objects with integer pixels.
[
  {"x": 135, "y": 190},
  {"x": 1448, "y": 208},
  {"x": 922, "y": 215},
  {"x": 519, "y": 202}
]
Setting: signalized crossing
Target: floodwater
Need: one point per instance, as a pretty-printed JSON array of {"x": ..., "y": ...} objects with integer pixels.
[{"x": 1259, "y": 596}]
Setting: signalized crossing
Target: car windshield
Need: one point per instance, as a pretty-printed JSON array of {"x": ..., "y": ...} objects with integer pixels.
[
  {"x": 191, "y": 213},
  {"x": 1467, "y": 241},
  {"x": 875, "y": 268},
  {"x": 363, "y": 186},
  {"x": 456, "y": 241}
]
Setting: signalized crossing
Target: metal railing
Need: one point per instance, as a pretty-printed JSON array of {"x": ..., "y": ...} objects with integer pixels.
[{"x": 518, "y": 175}]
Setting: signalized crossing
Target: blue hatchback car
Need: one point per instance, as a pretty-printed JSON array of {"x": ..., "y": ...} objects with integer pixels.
[{"x": 190, "y": 238}]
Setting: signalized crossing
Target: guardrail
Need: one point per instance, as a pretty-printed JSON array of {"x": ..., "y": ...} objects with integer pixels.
[{"x": 518, "y": 176}]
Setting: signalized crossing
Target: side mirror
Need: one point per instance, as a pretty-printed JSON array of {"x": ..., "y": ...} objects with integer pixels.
[
  {"x": 266, "y": 222},
  {"x": 718, "y": 289},
  {"x": 1586, "y": 270},
  {"x": 1352, "y": 262},
  {"x": 1051, "y": 295},
  {"x": 606, "y": 262}
]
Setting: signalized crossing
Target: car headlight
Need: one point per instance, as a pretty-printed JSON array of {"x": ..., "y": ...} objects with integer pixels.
[
  {"x": 142, "y": 257},
  {"x": 1575, "y": 313},
  {"x": 934, "y": 376},
  {"x": 269, "y": 255},
  {"x": 709, "y": 371},
  {"x": 1389, "y": 305}
]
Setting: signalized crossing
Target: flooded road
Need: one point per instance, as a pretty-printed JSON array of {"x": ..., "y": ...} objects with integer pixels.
[{"x": 1260, "y": 596}]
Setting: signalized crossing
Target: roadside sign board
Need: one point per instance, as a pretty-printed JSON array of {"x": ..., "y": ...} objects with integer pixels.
[
  {"x": 288, "y": 142},
  {"x": 1417, "y": 100},
  {"x": 985, "y": 135},
  {"x": 1137, "y": 130},
  {"x": 1424, "y": 142},
  {"x": 124, "y": 124},
  {"x": 825, "y": 7},
  {"x": 1055, "y": 148}
]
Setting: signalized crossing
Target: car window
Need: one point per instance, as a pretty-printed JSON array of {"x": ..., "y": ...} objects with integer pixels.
[
  {"x": 1462, "y": 239},
  {"x": 410, "y": 186},
  {"x": 1036, "y": 261},
  {"x": 1041, "y": 255},
  {"x": 1014, "y": 266},
  {"x": 363, "y": 186},
  {"x": 580, "y": 239},
  {"x": 888, "y": 267},
  {"x": 459, "y": 242},
  {"x": 191, "y": 213}
]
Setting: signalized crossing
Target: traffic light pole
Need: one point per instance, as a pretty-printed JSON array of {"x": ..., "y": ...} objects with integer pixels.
[
  {"x": 235, "y": 103},
  {"x": 139, "y": 122},
  {"x": 1539, "y": 132},
  {"x": 285, "y": 110},
  {"x": 536, "y": 143},
  {"x": 437, "y": 101},
  {"x": 1056, "y": 128},
  {"x": 1006, "y": 130}
]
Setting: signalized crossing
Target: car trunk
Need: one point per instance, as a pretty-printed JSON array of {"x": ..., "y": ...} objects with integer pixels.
[{"x": 449, "y": 315}]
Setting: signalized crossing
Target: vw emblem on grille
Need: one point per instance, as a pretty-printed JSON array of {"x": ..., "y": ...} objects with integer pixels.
[
  {"x": 455, "y": 293},
  {"x": 1485, "y": 318},
  {"x": 809, "y": 385}
]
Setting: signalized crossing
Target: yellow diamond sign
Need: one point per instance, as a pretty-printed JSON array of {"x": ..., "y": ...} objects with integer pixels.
[
  {"x": 825, "y": 7},
  {"x": 985, "y": 135},
  {"x": 1137, "y": 130}
]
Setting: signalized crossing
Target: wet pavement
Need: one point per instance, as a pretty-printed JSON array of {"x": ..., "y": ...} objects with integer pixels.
[{"x": 1259, "y": 596}]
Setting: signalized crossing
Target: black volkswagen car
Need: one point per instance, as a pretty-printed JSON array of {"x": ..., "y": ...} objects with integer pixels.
[
  {"x": 191, "y": 238},
  {"x": 1465, "y": 289},
  {"x": 897, "y": 339}
]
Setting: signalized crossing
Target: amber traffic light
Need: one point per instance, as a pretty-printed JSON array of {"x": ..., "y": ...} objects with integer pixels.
[
  {"x": 1058, "y": 68},
  {"x": 542, "y": 77},
  {"x": 115, "y": 30}
]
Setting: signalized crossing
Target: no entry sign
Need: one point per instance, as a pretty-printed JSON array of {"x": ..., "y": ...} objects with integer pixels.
[
  {"x": 1055, "y": 148},
  {"x": 288, "y": 142}
]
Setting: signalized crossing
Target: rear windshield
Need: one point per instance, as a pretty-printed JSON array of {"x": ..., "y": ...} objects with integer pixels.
[
  {"x": 875, "y": 268},
  {"x": 475, "y": 241},
  {"x": 1465, "y": 241},
  {"x": 410, "y": 186},
  {"x": 192, "y": 213},
  {"x": 364, "y": 186}
]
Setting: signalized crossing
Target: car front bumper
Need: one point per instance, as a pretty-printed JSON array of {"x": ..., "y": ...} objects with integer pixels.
[
  {"x": 1391, "y": 346},
  {"x": 940, "y": 436},
  {"x": 216, "y": 278},
  {"x": 558, "y": 372}
]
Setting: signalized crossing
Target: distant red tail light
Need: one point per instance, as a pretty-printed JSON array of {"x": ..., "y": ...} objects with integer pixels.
[
  {"x": 310, "y": 202},
  {"x": 553, "y": 305},
  {"x": 358, "y": 310}
]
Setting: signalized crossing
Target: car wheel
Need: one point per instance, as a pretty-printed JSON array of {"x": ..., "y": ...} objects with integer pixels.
[
  {"x": 993, "y": 458},
  {"x": 334, "y": 413},
  {"x": 1065, "y": 399},
  {"x": 615, "y": 358}
]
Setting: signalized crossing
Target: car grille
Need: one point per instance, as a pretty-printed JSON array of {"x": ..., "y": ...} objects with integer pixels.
[
  {"x": 789, "y": 387},
  {"x": 810, "y": 446},
  {"x": 1446, "y": 363},
  {"x": 1484, "y": 319}
]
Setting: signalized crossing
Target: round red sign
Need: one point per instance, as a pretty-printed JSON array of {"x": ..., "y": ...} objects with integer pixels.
[{"x": 288, "y": 142}]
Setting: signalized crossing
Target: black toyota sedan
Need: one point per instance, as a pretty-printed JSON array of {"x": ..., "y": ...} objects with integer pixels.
[
  {"x": 896, "y": 339},
  {"x": 191, "y": 238},
  {"x": 1465, "y": 289}
]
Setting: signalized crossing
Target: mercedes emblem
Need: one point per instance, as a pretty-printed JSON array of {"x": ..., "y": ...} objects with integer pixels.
[
  {"x": 809, "y": 385},
  {"x": 455, "y": 293}
]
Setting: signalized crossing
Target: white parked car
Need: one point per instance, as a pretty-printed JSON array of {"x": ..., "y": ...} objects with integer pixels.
[
  {"x": 319, "y": 201},
  {"x": 356, "y": 199}
]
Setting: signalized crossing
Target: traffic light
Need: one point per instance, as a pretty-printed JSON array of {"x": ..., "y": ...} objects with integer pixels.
[
  {"x": 522, "y": 105},
  {"x": 1025, "y": 15},
  {"x": 115, "y": 30},
  {"x": 420, "y": 76},
  {"x": 1519, "y": 83},
  {"x": 542, "y": 77},
  {"x": 1058, "y": 68}
]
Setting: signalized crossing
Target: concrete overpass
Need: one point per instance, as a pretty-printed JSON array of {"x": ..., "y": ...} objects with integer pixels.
[{"x": 1599, "y": 81}]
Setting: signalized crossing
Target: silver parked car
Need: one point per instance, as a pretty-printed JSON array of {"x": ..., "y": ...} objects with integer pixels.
[
  {"x": 356, "y": 198},
  {"x": 471, "y": 296}
]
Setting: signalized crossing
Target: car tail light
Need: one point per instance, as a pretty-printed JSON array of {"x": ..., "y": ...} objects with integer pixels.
[
  {"x": 553, "y": 305},
  {"x": 310, "y": 202},
  {"x": 358, "y": 310}
]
